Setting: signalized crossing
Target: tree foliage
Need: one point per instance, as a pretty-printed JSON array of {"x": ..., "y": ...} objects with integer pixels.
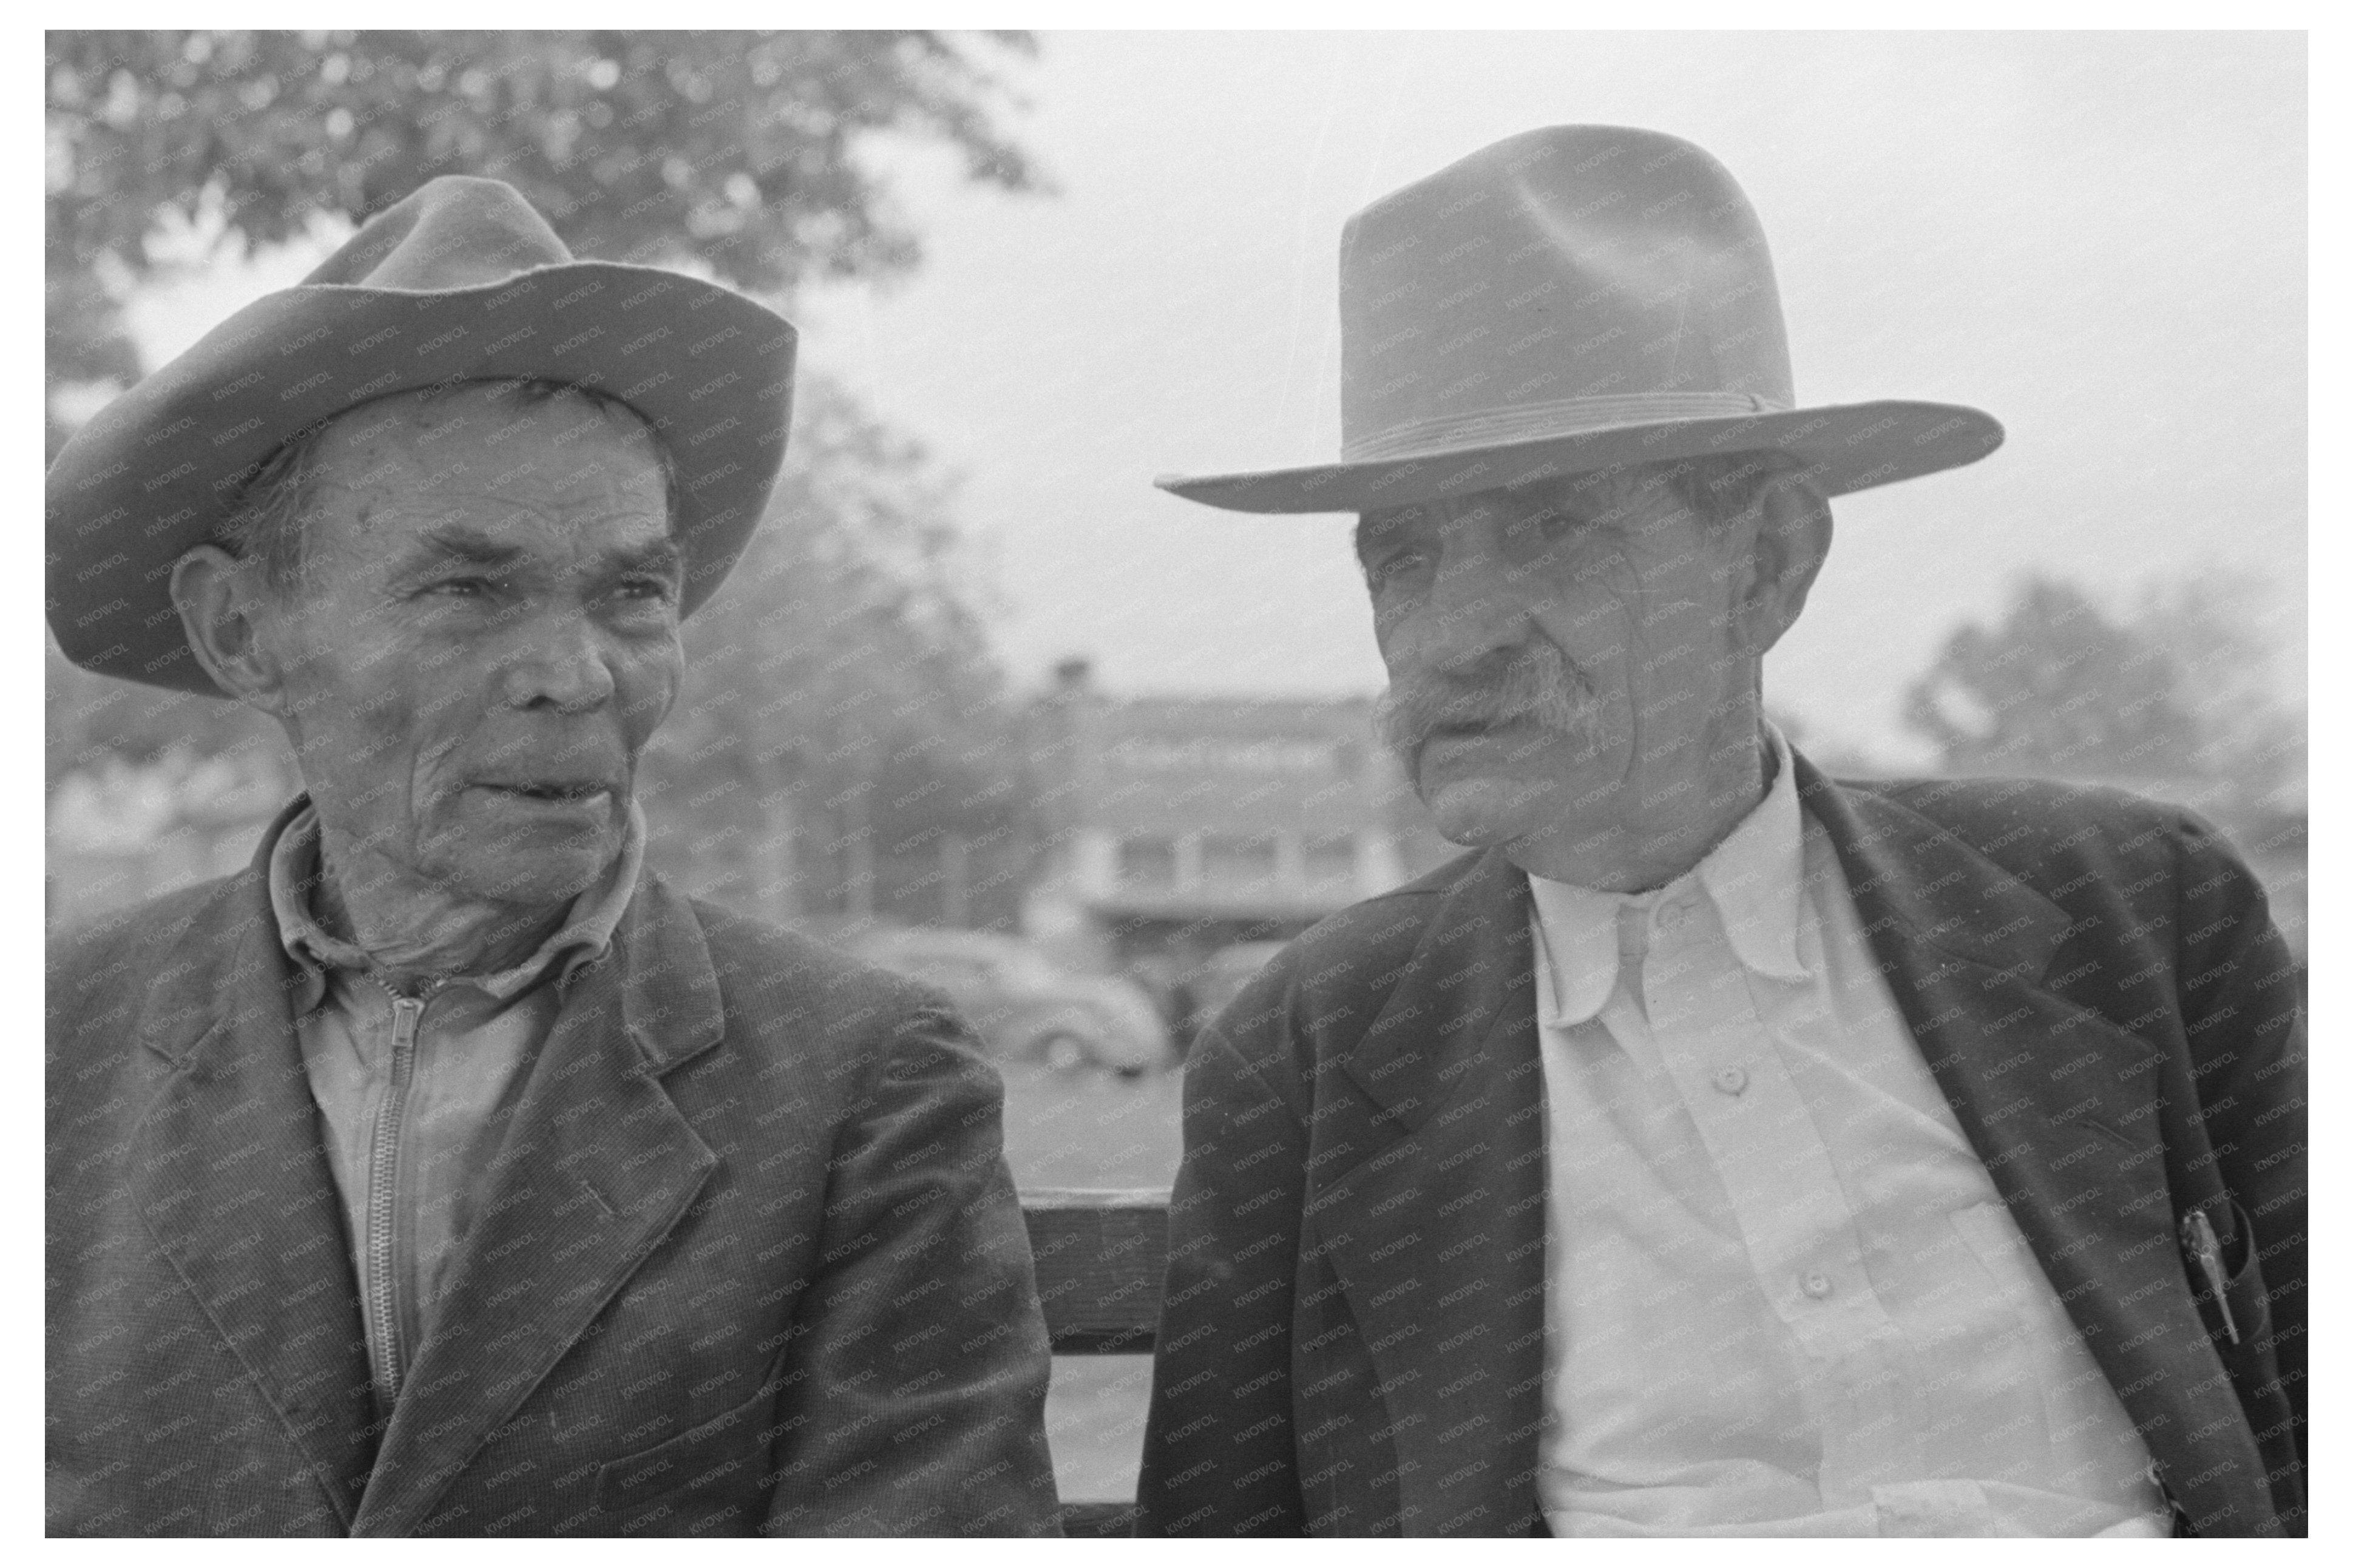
[
  {"x": 844, "y": 666},
  {"x": 2182, "y": 690},
  {"x": 737, "y": 152}
]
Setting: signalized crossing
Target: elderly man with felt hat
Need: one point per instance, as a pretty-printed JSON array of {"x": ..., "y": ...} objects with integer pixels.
[
  {"x": 1716, "y": 1148},
  {"x": 445, "y": 1172}
]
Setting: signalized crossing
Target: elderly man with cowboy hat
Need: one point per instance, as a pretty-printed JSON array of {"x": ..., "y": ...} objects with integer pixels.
[
  {"x": 445, "y": 1172},
  {"x": 1716, "y": 1148}
]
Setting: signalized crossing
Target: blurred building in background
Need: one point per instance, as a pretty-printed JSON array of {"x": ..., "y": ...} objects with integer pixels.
[
  {"x": 1155, "y": 831},
  {"x": 1176, "y": 826}
]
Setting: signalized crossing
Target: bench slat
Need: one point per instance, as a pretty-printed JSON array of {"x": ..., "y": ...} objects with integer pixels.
[
  {"x": 1100, "y": 1256},
  {"x": 1085, "y": 1521}
]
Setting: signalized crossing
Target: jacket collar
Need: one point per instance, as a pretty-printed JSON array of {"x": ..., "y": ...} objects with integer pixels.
[
  {"x": 1916, "y": 881},
  {"x": 1470, "y": 974},
  {"x": 230, "y": 1171}
]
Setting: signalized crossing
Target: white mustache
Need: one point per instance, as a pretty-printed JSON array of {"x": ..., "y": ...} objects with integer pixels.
[{"x": 1534, "y": 683}]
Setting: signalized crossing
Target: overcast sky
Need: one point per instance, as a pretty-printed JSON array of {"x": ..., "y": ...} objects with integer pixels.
[{"x": 2098, "y": 239}]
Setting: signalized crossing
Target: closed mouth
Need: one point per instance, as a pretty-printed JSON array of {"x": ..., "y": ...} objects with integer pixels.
[
  {"x": 1471, "y": 729},
  {"x": 563, "y": 792}
]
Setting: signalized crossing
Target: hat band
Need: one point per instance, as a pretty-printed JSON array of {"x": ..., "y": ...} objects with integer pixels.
[{"x": 1536, "y": 421}]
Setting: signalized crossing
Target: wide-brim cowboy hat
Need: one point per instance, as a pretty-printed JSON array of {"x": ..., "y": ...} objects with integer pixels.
[
  {"x": 461, "y": 280},
  {"x": 1576, "y": 298}
]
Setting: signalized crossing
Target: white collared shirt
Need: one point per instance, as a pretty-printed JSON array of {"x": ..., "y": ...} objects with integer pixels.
[{"x": 1783, "y": 1296}]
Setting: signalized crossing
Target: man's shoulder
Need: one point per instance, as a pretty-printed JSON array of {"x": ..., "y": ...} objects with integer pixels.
[
  {"x": 785, "y": 973},
  {"x": 133, "y": 943},
  {"x": 1339, "y": 968},
  {"x": 1350, "y": 945},
  {"x": 2036, "y": 826}
]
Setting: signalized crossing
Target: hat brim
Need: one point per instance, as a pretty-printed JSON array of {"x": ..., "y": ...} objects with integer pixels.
[
  {"x": 1844, "y": 447},
  {"x": 155, "y": 472}
]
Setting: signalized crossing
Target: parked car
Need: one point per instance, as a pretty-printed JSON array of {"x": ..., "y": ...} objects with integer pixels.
[{"x": 1026, "y": 1007}]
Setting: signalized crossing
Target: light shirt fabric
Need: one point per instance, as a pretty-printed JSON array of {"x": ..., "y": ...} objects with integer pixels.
[
  {"x": 1783, "y": 1296},
  {"x": 474, "y": 1037}
]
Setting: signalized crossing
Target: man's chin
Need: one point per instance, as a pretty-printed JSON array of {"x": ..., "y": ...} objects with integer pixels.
[
  {"x": 531, "y": 883},
  {"x": 535, "y": 866},
  {"x": 1481, "y": 811}
]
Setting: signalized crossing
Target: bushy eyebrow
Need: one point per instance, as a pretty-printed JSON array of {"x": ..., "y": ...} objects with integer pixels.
[
  {"x": 464, "y": 546},
  {"x": 1584, "y": 504},
  {"x": 660, "y": 556},
  {"x": 468, "y": 547}
]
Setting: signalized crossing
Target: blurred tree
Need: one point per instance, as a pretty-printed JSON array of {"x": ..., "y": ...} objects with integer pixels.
[
  {"x": 844, "y": 668},
  {"x": 2182, "y": 690},
  {"x": 2219, "y": 631},
  {"x": 843, "y": 671},
  {"x": 734, "y": 152}
]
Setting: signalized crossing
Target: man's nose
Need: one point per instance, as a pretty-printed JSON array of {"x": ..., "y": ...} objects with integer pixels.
[
  {"x": 1478, "y": 602},
  {"x": 559, "y": 662}
]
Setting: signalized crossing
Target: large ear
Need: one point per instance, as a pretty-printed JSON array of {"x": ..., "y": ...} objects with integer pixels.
[
  {"x": 222, "y": 605},
  {"x": 1792, "y": 521}
]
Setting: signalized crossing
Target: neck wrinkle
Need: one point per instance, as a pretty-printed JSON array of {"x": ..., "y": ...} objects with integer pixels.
[
  {"x": 1648, "y": 868},
  {"x": 457, "y": 937}
]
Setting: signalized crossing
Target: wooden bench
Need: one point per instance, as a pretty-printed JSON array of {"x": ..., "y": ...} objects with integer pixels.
[{"x": 1100, "y": 1256}]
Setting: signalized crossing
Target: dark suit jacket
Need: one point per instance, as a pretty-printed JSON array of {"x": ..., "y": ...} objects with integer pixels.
[
  {"x": 750, "y": 1260},
  {"x": 1352, "y": 1335}
]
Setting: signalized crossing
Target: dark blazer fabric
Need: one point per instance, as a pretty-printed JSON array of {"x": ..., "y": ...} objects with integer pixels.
[
  {"x": 750, "y": 1260},
  {"x": 1353, "y": 1332}
]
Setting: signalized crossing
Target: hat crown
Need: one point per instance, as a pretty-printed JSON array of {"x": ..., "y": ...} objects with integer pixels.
[
  {"x": 1578, "y": 273},
  {"x": 455, "y": 232}
]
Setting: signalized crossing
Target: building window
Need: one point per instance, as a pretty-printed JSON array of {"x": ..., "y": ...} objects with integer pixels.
[
  {"x": 1151, "y": 861},
  {"x": 1228, "y": 860},
  {"x": 1330, "y": 858}
]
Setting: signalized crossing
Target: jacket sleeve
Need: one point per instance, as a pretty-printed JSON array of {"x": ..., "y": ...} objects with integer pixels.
[
  {"x": 1218, "y": 1448},
  {"x": 2242, "y": 1009},
  {"x": 914, "y": 1397}
]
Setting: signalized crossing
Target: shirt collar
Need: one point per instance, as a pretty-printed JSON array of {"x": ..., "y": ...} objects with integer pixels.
[
  {"x": 586, "y": 931},
  {"x": 1753, "y": 878}
]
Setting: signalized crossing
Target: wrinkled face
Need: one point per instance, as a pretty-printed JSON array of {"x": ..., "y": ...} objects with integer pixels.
[
  {"x": 485, "y": 635},
  {"x": 1561, "y": 656}
]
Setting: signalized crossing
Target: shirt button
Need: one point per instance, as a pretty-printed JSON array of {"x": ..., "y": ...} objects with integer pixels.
[
  {"x": 1816, "y": 1283},
  {"x": 1731, "y": 1080},
  {"x": 1673, "y": 915}
]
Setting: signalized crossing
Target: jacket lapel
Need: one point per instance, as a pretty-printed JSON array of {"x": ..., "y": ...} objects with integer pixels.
[
  {"x": 2063, "y": 1107},
  {"x": 598, "y": 1167},
  {"x": 1436, "y": 1235},
  {"x": 229, "y": 1171}
]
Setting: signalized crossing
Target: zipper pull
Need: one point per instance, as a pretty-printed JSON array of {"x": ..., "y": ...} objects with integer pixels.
[{"x": 2198, "y": 1237}]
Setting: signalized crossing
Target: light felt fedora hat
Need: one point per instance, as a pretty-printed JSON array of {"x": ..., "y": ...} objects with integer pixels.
[
  {"x": 1574, "y": 299},
  {"x": 460, "y": 280}
]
